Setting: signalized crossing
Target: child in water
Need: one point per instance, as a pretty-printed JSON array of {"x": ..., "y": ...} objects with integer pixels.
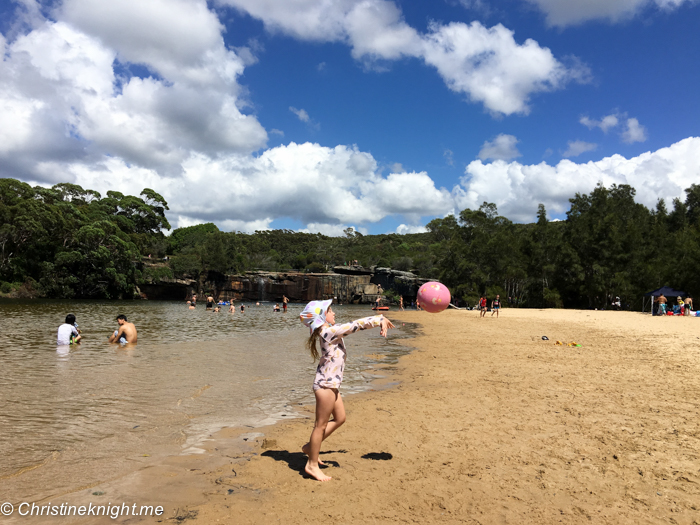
[{"x": 320, "y": 319}]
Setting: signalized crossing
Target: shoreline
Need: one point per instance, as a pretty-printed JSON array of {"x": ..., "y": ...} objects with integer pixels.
[{"x": 488, "y": 423}]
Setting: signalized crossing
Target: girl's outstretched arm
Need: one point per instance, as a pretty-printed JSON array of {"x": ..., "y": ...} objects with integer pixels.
[{"x": 341, "y": 330}]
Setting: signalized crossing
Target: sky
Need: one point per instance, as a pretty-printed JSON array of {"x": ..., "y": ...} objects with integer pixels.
[{"x": 379, "y": 115}]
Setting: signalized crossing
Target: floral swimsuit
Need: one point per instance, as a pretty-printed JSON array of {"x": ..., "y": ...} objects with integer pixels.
[{"x": 329, "y": 373}]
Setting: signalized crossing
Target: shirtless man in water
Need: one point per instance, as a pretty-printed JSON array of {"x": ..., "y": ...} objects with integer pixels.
[{"x": 126, "y": 333}]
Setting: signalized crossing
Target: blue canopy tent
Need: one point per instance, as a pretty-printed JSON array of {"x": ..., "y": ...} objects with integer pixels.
[{"x": 666, "y": 291}]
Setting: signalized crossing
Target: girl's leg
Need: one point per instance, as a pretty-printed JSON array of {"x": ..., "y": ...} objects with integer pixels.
[
  {"x": 325, "y": 404},
  {"x": 332, "y": 426}
]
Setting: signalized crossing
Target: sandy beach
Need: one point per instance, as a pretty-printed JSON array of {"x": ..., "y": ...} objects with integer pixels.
[{"x": 488, "y": 423}]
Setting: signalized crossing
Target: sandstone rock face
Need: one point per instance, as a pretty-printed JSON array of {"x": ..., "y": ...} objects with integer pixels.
[{"x": 346, "y": 284}]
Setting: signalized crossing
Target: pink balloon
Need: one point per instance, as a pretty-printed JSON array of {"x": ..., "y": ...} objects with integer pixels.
[{"x": 434, "y": 297}]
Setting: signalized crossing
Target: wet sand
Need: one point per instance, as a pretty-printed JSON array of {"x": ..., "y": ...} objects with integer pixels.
[{"x": 488, "y": 424}]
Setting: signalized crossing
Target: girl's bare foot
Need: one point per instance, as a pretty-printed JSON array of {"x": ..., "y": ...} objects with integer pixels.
[
  {"x": 305, "y": 450},
  {"x": 316, "y": 473}
]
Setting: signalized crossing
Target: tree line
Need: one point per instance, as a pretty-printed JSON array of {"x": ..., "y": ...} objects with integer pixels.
[{"x": 65, "y": 241}]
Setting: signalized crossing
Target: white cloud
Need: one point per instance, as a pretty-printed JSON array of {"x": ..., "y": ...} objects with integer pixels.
[
  {"x": 503, "y": 147},
  {"x": 571, "y": 12},
  {"x": 300, "y": 113},
  {"x": 635, "y": 132},
  {"x": 606, "y": 123},
  {"x": 59, "y": 88},
  {"x": 485, "y": 64},
  {"x": 448, "y": 154},
  {"x": 176, "y": 38},
  {"x": 517, "y": 189},
  {"x": 576, "y": 147},
  {"x": 305, "y": 182},
  {"x": 402, "y": 229}
]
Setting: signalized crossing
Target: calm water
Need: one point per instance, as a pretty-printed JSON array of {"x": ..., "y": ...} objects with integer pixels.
[{"x": 72, "y": 416}]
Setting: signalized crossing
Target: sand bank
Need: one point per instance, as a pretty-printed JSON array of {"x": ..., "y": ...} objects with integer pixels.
[{"x": 488, "y": 424}]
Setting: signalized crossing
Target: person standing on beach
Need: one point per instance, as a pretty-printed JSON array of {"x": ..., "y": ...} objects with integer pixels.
[
  {"x": 126, "y": 332},
  {"x": 688, "y": 305},
  {"x": 320, "y": 319},
  {"x": 661, "y": 310},
  {"x": 496, "y": 305},
  {"x": 401, "y": 302},
  {"x": 482, "y": 306}
]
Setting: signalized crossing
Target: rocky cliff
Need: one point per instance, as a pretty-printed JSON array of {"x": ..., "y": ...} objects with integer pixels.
[{"x": 347, "y": 284}]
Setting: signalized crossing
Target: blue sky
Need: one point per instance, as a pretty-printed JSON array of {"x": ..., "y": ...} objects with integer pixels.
[{"x": 318, "y": 115}]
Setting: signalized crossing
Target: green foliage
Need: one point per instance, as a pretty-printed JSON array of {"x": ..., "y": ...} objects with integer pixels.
[
  {"x": 154, "y": 274},
  {"x": 609, "y": 246},
  {"x": 71, "y": 242},
  {"x": 187, "y": 265}
]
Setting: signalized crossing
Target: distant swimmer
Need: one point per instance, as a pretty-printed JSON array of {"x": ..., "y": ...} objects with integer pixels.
[
  {"x": 68, "y": 332},
  {"x": 210, "y": 302},
  {"x": 276, "y": 308},
  {"x": 192, "y": 306},
  {"x": 217, "y": 309},
  {"x": 232, "y": 308},
  {"x": 285, "y": 300},
  {"x": 126, "y": 332}
]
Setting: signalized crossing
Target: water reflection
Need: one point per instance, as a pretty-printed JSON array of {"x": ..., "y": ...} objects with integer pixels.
[{"x": 78, "y": 411}]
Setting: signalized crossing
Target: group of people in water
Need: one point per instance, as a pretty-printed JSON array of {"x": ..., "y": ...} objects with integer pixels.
[
  {"x": 70, "y": 334},
  {"x": 216, "y": 307}
]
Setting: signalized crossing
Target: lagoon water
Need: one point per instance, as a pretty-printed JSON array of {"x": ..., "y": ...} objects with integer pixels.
[{"x": 72, "y": 417}]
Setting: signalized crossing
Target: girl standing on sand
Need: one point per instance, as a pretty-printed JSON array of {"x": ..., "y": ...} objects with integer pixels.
[{"x": 320, "y": 319}]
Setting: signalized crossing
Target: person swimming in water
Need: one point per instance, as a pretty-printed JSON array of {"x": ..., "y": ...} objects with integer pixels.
[{"x": 126, "y": 333}]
